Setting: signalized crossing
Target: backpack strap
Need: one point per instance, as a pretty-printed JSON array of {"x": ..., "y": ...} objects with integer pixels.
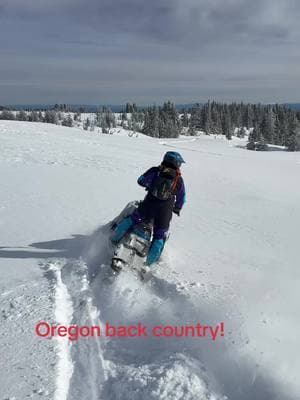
[{"x": 176, "y": 180}]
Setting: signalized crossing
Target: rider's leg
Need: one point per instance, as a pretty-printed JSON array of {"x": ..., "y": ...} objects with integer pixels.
[
  {"x": 121, "y": 229},
  {"x": 157, "y": 246},
  {"x": 125, "y": 225},
  {"x": 160, "y": 231}
]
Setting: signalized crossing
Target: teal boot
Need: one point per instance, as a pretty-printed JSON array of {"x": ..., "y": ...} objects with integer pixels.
[
  {"x": 122, "y": 229},
  {"x": 155, "y": 251}
]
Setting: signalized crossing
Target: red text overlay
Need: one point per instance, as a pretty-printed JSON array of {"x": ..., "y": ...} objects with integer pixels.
[{"x": 75, "y": 332}]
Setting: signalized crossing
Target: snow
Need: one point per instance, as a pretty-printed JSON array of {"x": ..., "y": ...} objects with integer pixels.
[
  {"x": 63, "y": 315},
  {"x": 232, "y": 257}
]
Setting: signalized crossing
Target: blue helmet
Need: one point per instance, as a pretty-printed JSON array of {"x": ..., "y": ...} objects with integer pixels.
[{"x": 173, "y": 158}]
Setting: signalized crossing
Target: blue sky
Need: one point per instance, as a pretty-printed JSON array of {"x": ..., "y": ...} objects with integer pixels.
[{"x": 113, "y": 51}]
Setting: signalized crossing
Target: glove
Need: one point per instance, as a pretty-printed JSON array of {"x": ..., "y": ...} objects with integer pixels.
[{"x": 176, "y": 211}]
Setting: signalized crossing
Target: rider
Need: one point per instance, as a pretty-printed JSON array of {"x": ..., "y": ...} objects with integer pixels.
[{"x": 165, "y": 194}]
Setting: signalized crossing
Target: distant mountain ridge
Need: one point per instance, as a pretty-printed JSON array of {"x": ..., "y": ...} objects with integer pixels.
[
  {"x": 293, "y": 106},
  {"x": 115, "y": 108}
]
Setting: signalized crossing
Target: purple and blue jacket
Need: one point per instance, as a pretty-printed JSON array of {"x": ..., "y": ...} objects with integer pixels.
[{"x": 147, "y": 178}]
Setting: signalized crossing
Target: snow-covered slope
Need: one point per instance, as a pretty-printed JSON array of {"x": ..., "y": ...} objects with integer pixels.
[{"x": 232, "y": 257}]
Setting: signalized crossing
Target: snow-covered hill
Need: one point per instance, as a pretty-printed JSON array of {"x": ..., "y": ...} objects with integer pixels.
[{"x": 232, "y": 257}]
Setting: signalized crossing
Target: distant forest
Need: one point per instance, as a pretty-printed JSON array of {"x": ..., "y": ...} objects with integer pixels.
[{"x": 264, "y": 124}]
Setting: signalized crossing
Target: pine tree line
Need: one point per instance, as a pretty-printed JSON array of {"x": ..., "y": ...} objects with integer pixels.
[
  {"x": 268, "y": 124},
  {"x": 162, "y": 122},
  {"x": 276, "y": 125},
  {"x": 49, "y": 116},
  {"x": 153, "y": 121},
  {"x": 271, "y": 124},
  {"x": 104, "y": 118}
]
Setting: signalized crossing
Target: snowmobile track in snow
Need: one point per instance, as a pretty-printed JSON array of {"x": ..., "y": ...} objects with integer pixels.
[{"x": 147, "y": 368}]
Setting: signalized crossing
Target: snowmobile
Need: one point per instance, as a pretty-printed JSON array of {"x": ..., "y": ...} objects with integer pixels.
[{"x": 131, "y": 252}]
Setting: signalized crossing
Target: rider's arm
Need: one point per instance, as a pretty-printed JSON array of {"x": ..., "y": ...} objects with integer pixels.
[
  {"x": 146, "y": 179},
  {"x": 180, "y": 196}
]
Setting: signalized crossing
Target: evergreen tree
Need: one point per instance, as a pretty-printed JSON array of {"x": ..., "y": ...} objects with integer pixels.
[
  {"x": 123, "y": 117},
  {"x": 130, "y": 108},
  {"x": 251, "y": 140},
  {"x": 184, "y": 119},
  {"x": 277, "y": 131},
  {"x": 67, "y": 121},
  {"x": 169, "y": 121},
  {"x": 292, "y": 138},
  {"x": 207, "y": 119},
  {"x": 191, "y": 131},
  {"x": 196, "y": 118},
  {"x": 7, "y": 115},
  {"x": 216, "y": 123},
  {"x": 135, "y": 121},
  {"x": 162, "y": 122},
  {"x": 262, "y": 145},
  {"x": 241, "y": 132},
  {"x": 33, "y": 116},
  {"x": 109, "y": 117},
  {"x": 105, "y": 119},
  {"x": 226, "y": 126},
  {"x": 77, "y": 116},
  {"x": 86, "y": 124},
  {"x": 257, "y": 135},
  {"x": 50, "y": 117},
  {"x": 21, "y": 116},
  {"x": 267, "y": 125},
  {"x": 247, "y": 116}
]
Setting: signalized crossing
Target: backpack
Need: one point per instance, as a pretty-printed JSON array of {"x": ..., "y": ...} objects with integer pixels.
[{"x": 164, "y": 185}]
